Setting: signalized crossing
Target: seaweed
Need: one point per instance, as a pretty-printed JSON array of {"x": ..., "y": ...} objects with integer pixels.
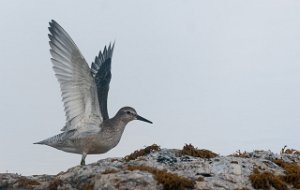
[
  {"x": 190, "y": 150},
  {"x": 264, "y": 180},
  {"x": 54, "y": 184},
  {"x": 289, "y": 151},
  {"x": 200, "y": 178},
  {"x": 109, "y": 171},
  {"x": 88, "y": 187},
  {"x": 142, "y": 152},
  {"x": 26, "y": 183},
  {"x": 292, "y": 151},
  {"x": 292, "y": 172},
  {"x": 241, "y": 154},
  {"x": 169, "y": 180}
]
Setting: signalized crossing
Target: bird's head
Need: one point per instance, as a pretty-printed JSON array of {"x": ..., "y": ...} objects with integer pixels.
[{"x": 128, "y": 114}]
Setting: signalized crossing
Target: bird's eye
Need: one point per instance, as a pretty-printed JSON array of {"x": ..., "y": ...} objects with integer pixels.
[{"x": 128, "y": 112}]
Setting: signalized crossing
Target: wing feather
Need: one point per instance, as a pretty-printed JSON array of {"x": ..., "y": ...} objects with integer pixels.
[
  {"x": 78, "y": 87},
  {"x": 101, "y": 71}
]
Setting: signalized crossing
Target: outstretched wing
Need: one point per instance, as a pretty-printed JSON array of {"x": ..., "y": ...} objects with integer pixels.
[
  {"x": 79, "y": 93},
  {"x": 101, "y": 72}
]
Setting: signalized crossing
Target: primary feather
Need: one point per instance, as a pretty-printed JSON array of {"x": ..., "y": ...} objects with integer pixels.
[
  {"x": 78, "y": 87},
  {"x": 101, "y": 71}
]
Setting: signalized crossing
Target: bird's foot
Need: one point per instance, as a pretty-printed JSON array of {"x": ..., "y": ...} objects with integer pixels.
[
  {"x": 82, "y": 162},
  {"x": 83, "y": 159}
]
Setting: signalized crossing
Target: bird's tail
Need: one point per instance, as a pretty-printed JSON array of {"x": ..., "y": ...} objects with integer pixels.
[
  {"x": 40, "y": 142},
  {"x": 57, "y": 139}
]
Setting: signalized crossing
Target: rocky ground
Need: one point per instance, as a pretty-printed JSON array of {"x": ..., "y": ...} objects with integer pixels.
[{"x": 189, "y": 168}]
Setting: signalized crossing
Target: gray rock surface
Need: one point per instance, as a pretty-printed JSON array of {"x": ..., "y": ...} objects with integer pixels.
[{"x": 219, "y": 173}]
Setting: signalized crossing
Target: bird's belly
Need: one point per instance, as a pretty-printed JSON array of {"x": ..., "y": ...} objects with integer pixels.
[
  {"x": 95, "y": 145},
  {"x": 92, "y": 144}
]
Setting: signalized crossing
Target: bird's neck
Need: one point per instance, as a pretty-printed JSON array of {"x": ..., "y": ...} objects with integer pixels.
[{"x": 115, "y": 123}]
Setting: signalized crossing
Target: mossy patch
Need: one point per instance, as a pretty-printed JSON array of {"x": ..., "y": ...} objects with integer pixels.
[
  {"x": 142, "y": 152},
  {"x": 292, "y": 172},
  {"x": 190, "y": 150},
  {"x": 266, "y": 180},
  {"x": 26, "y": 183},
  {"x": 169, "y": 180}
]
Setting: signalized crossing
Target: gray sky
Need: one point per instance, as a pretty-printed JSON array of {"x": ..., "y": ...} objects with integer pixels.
[{"x": 222, "y": 75}]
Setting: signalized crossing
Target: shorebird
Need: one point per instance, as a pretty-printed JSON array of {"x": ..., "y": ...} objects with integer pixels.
[{"x": 88, "y": 128}]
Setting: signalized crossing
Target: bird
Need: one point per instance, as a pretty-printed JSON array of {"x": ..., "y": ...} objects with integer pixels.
[{"x": 84, "y": 91}]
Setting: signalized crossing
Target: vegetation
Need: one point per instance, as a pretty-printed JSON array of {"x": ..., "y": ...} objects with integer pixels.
[
  {"x": 110, "y": 171},
  {"x": 292, "y": 172},
  {"x": 54, "y": 184},
  {"x": 266, "y": 180},
  {"x": 200, "y": 178},
  {"x": 241, "y": 154},
  {"x": 169, "y": 180},
  {"x": 289, "y": 151},
  {"x": 26, "y": 183},
  {"x": 142, "y": 152},
  {"x": 190, "y": 150},
  {"x": 88, "y": 187}
]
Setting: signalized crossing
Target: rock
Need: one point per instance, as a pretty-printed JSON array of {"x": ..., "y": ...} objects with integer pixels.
[
  {"x": 161, "y": 169},
  {"x": 235, "y": 169},
  {"x": 126, "y": 180}
]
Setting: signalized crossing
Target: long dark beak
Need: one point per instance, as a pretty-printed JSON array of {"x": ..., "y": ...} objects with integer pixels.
[{"x": 143, "y": 119}]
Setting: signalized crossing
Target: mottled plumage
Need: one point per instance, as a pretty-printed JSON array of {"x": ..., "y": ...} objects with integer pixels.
[{"x": 88, "y": 129}]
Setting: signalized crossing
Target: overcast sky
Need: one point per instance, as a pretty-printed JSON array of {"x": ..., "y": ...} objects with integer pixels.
[{"x": 222, "y": 75}]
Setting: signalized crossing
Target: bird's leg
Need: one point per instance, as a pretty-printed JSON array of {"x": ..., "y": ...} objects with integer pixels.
[{"x": 83, "y": 159}]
